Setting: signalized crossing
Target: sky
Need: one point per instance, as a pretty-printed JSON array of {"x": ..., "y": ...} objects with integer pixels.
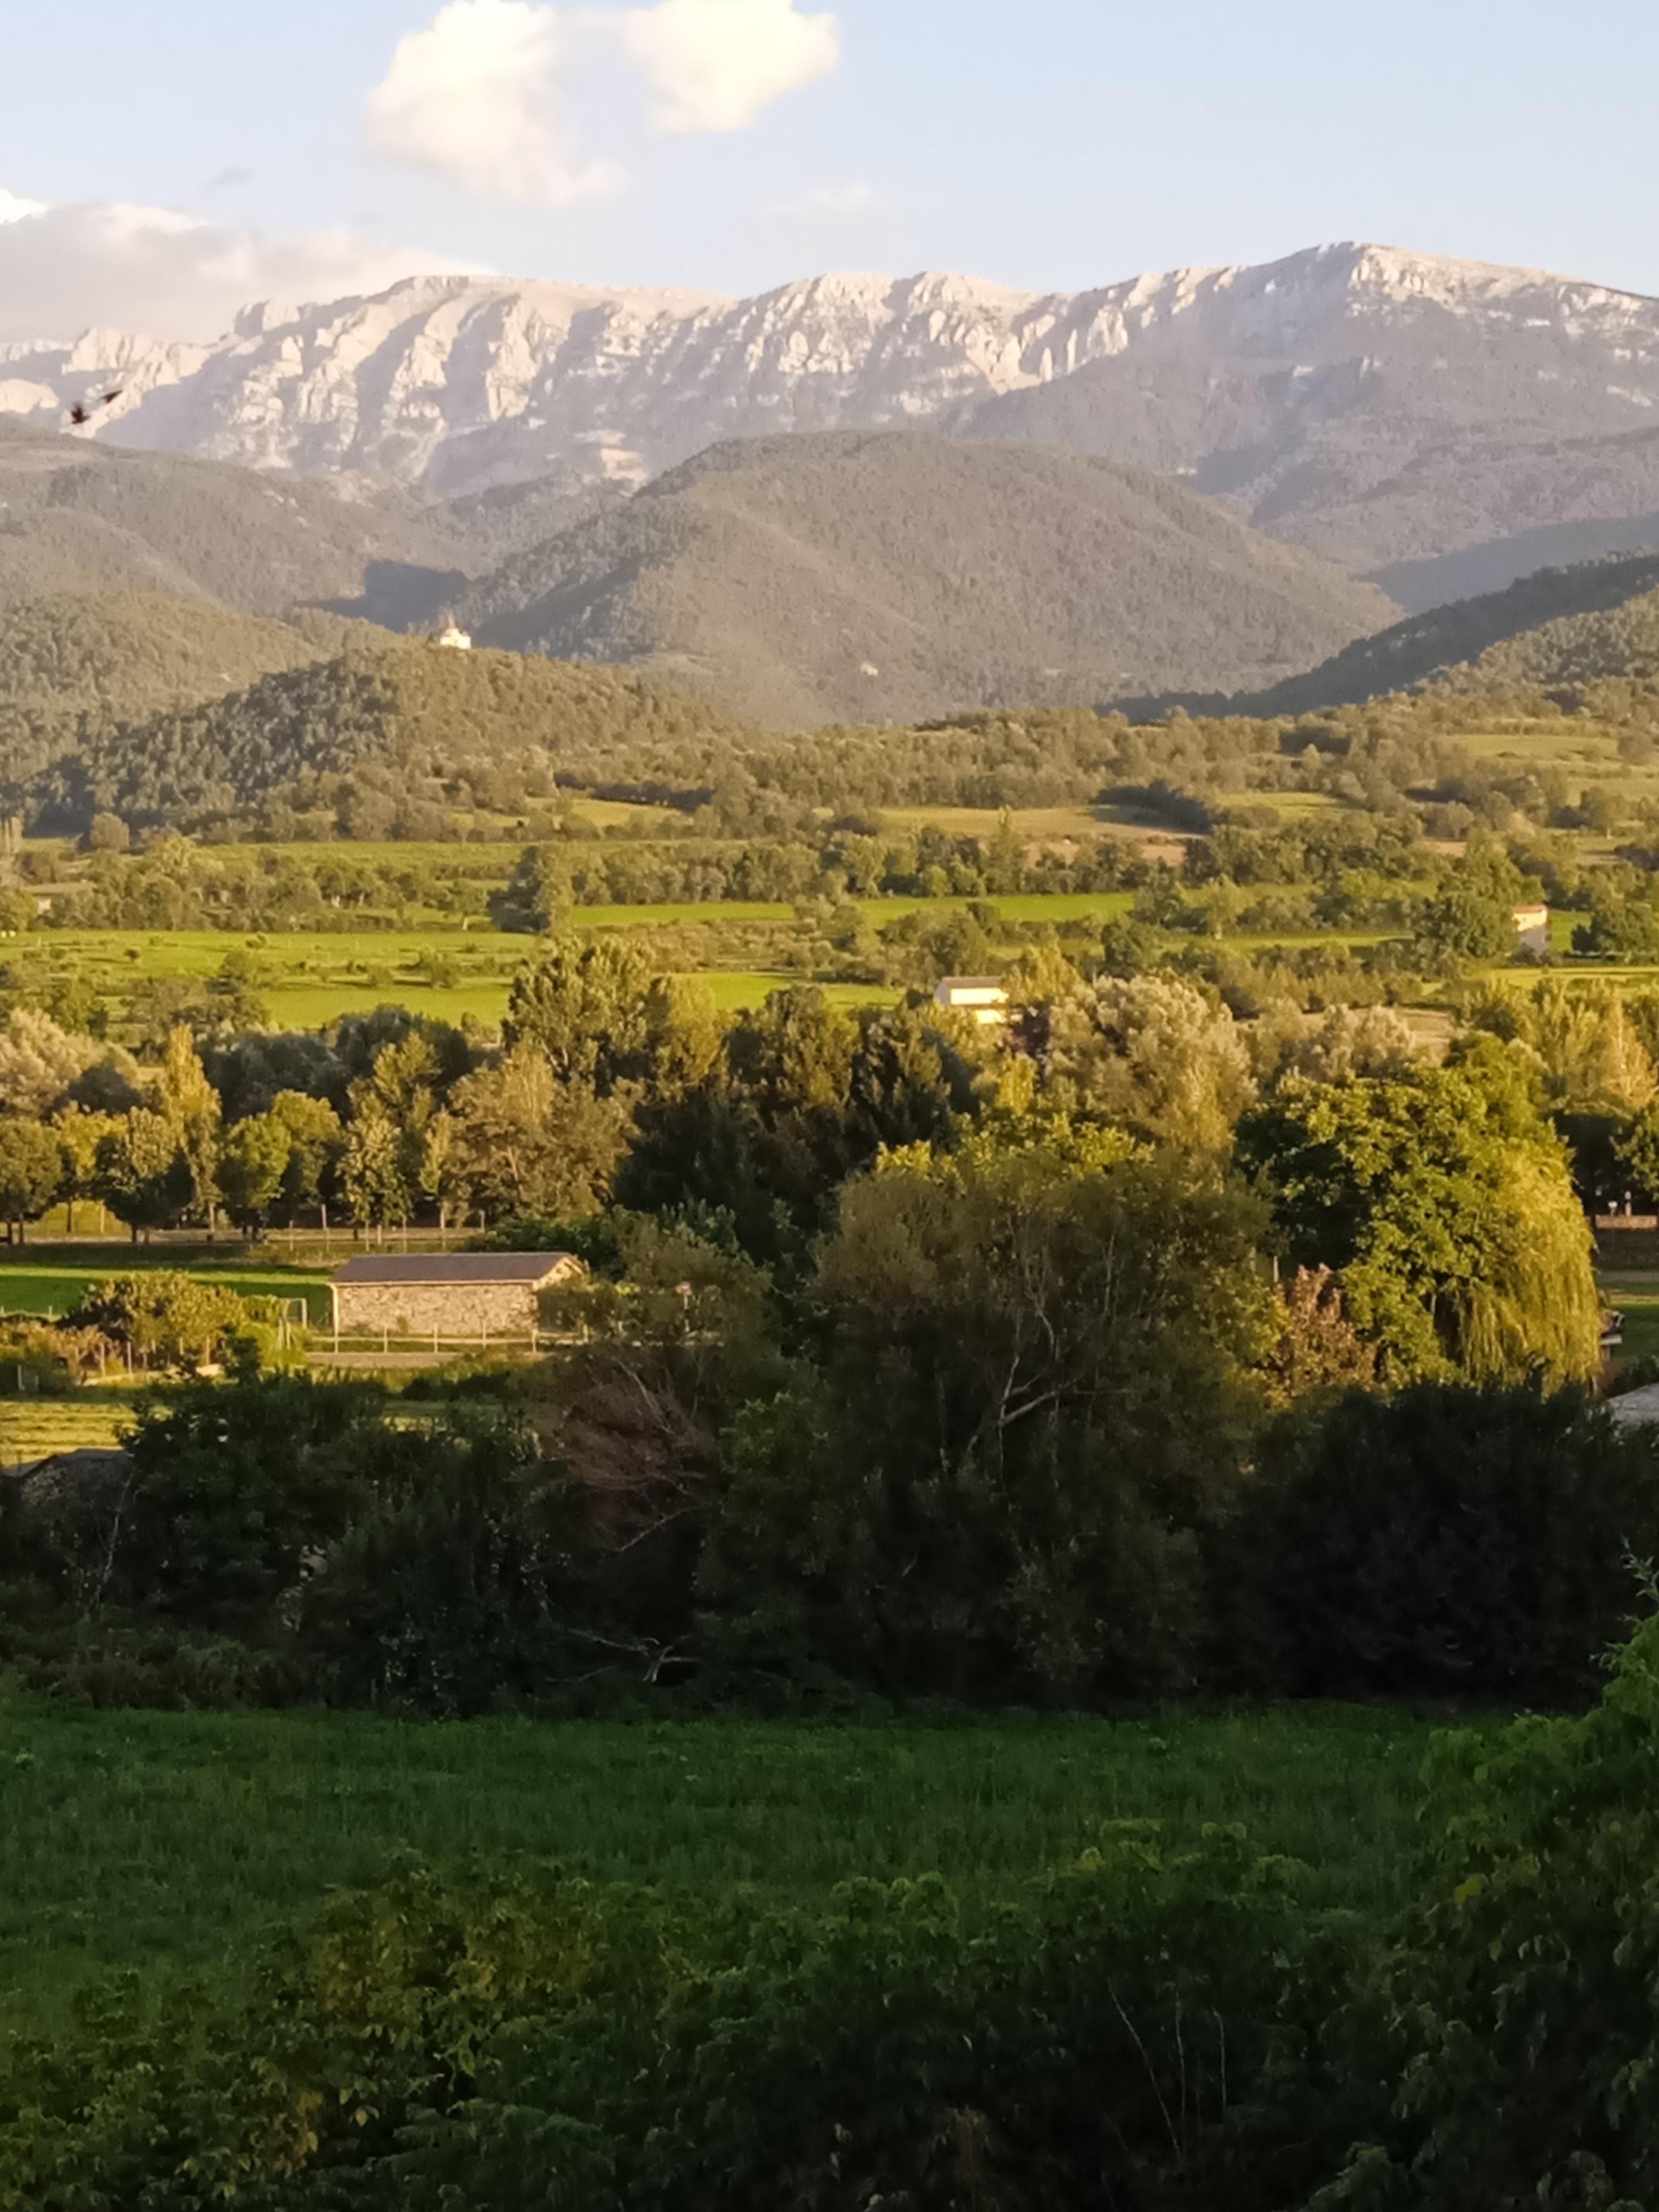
[{"x": 164, "y": 161}]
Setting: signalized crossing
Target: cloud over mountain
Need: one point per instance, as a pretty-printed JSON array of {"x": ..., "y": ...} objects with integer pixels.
[
  {"x": 485, "y": 94},
  {"x": 480, "y": 97},
  {"x": 149, "y": 269},
  {"x": 716, "y": 64}
]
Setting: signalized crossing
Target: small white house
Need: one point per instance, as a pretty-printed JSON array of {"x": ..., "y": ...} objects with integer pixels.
[
  {"x": 981, "y": 996},
  {"x": 455, "y": 639}
]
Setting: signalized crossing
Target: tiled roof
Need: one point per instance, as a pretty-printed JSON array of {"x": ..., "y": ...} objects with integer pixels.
[{"x": 461, "y": 1269}]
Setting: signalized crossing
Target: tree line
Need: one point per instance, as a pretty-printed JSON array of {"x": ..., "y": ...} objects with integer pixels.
[{"x": 908, "y": 1358}]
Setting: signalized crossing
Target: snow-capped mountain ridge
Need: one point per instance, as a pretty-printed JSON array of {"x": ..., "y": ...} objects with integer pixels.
[{"x": 454, "y": 384}]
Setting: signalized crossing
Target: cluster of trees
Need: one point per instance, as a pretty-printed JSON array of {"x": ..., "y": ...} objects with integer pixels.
[
  {"x": 610, "y": 1077},
  {"x": 907, "y": 1361},
  {"x": 175, "y": 883},
  {"x": 70, "y": 662},
  {"x": 851, "y": 862}
]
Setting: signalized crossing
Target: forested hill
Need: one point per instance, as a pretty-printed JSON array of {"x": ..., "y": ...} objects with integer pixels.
[
  {"x": 76, "y": 517},
  {"x": 108, "y": 656},
  {"x": 896, "y": 576},
  {"x": 1610, "y": 644},
  {"x": 428, "y": 727},
  {"x": 1495, "y": 627}
]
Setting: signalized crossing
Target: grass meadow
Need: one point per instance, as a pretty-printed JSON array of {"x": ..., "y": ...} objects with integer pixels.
[
  {"x": 36, "y": 1429},
  {"x": 163, "y": 1841},
  {"x": 50, "y": 1283}
]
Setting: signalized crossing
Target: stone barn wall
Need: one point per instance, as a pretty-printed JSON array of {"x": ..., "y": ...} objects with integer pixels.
[{"x": 461, "y": 1311}]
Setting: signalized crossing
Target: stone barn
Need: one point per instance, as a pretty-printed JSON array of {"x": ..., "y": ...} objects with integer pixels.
[{"x": 456, "y": 1297}]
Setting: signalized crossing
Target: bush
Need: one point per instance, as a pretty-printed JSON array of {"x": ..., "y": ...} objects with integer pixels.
[
  {"x": 1118, "y": 2034},
  {"x": 1450, "y": 1542},
  {"x": 164, "y": 1319},
  {"x": 1523, "y": 1996}
]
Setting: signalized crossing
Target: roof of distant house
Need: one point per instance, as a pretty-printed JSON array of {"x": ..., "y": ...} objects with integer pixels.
[
  {"x": 955, "y": 983},
  {"x": 459, "y": 1269}
]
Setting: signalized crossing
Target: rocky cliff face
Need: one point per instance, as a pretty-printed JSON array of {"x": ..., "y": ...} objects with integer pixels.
[{"x": 1228, "y": 376}]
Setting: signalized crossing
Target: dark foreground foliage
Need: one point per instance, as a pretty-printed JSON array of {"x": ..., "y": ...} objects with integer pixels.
[
  {"x": 705, "y": 1516},
  {"x": 1177, "y": 2028}
]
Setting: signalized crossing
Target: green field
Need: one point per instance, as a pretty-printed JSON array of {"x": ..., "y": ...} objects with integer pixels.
[
  {"x": 36, "y": 1429},
  {"x": 731, "y": 991},
  {"x": 310, "y": 979},
  {"x": 1634, "y": 1292},
  {"x": 144, "y": 1839},
  {"x": 55, "y": 1285}
]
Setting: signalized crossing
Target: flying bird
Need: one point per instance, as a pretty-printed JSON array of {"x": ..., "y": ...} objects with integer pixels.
[{"x": 80, "y": 415}]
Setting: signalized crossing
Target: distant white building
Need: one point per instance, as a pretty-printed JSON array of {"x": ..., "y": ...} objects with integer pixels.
[
  {"x": 455, "y": 638},
  {"x": 981, "y": 996},
  {"x": 1531, "y": 929}
]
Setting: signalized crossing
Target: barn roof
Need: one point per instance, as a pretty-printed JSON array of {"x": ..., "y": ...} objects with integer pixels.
[{"x": 462, "y": 1270}]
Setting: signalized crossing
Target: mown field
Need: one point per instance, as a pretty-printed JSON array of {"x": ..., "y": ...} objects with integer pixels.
[
  {"x": 52, "y": 1283},
  {"x": 36, "y": 1429},
  {"x": 153, "y": 1840}
]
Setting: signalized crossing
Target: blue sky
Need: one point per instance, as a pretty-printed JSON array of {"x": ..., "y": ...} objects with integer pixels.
[{"x": 1053, "y": 143}]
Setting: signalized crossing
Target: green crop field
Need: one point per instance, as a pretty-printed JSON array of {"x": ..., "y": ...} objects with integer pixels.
[
  {"x": 35, "y": 1429},
  {"x": 731, "y": 991},
  {"x": 315, "y": 1006},
  {"x": 54, "y": 1285},
  {"x": 154, "y": 1839},
  {"x": 677, "y": 912},
  {"x": 465, "y": 856}
]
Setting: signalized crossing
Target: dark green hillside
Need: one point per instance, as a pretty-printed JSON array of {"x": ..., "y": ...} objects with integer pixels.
[
  {"x": 76, "y": 516},
  {"x": 1493, "y": 626},
  {"x": 1608, "y": 644},
  {"x": 897, "y": 576},
  {"x": 421, "y": 725},
  {"x": 125, "y": 656}
]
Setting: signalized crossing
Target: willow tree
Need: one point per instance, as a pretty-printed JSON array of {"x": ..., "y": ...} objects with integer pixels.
[{"x": 1444, "y": 1203}]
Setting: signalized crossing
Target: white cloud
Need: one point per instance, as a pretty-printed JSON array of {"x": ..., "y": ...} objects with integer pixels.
[
  {"x": 833, "y": 200},
  {"x": 478, "y": 96},
  {"x": 13, "y": 210},
  {"x": 715, "y": 64},
  {"x": 483, "y": 95},
  {"x": 64, "y": 270}
]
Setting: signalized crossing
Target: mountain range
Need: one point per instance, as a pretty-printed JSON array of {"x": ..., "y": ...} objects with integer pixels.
[{"x": 1443, "y": 426}]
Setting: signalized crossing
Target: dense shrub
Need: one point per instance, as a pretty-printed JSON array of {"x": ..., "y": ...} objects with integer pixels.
[
  {"x": 1141, "y": 2029},
  {"x": 1451, "y": 1542},
  {"x": 1523, "y": 1994}
]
